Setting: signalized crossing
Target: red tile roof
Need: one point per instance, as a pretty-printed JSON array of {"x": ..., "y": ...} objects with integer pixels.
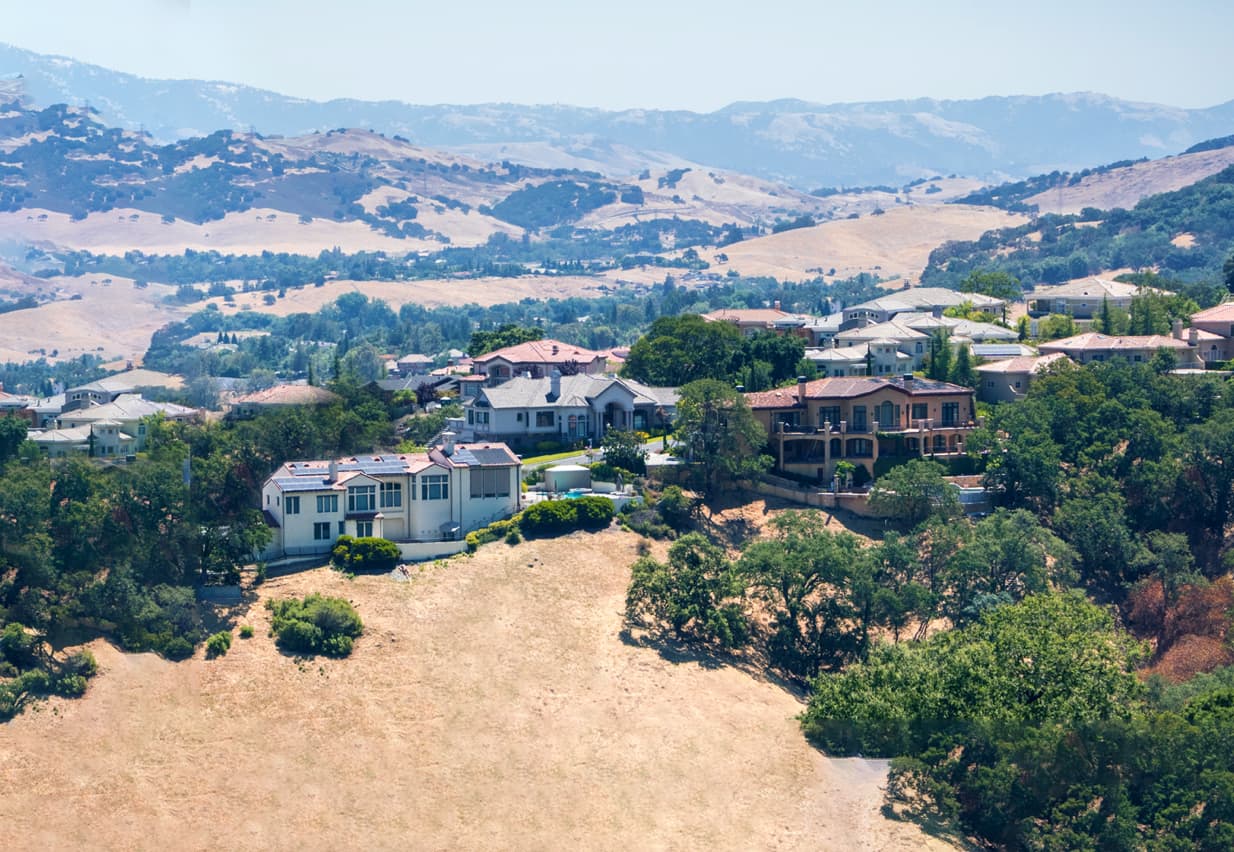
[
  {"x": 541, "y": 352},
  {"x": 849, "y": 387}
]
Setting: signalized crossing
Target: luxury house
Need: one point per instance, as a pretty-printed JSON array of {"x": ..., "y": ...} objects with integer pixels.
[
  {"x": 280, "y": 396},
  {"x": 435, "y": 496},
  {"x": 862, "y": 420},
  {"x": 750, "y": 321},
  {"x": 1009, "y": 379},
  {"x": 916, "y": 300},
  {"x": 1092, "y": 346},
  {"x": 537, "y": 358},
  {"x": 1083, "y": 297},
  {"x": 1217, "y": 325},
  {"x": 564, "y": 408},
  {"x": 116, "y": 428}
]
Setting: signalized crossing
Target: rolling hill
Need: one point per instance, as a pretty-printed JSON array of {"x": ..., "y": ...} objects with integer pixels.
[{"x": 804, "y": 144}]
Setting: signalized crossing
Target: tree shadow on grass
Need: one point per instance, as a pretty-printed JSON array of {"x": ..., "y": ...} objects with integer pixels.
[
  {"x": 930, "y": 824},
  {"x": 710, "y": 657}
]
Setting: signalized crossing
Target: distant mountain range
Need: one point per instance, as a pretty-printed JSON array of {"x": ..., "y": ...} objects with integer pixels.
[{"x": 803, "y": 144}]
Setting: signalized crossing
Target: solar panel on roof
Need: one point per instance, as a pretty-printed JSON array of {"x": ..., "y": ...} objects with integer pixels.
[
  {"x": 301, "y": 483},
  {"x": 491, "y": 456}
]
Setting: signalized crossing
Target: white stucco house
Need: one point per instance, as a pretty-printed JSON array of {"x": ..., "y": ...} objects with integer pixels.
[{"x": 427, "y": 498}]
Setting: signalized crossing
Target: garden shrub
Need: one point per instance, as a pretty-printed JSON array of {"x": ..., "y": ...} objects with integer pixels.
[
  {"x": 554, "y": 517},
  {"x": 218, "y": 644},
  {"x": 594, "y": 513},
  {"x": 549, "y": 517},
  {"x": 246, "y": 631},
  {"x": 315, "y": 624},
  {"x": 367, "y": 553}
]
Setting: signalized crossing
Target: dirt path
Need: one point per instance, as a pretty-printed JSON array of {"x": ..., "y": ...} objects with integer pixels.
[{"x": 491, "y": 704}]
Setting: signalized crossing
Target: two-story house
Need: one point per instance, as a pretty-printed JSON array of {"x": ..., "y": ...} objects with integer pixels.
[
  {"x": 565, "y": 409},
  {"x": 438, "y": 495},
  {"x": 816, "y": 424}
]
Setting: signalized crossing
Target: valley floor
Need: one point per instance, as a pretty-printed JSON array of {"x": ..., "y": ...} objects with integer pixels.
[{"x": 492, "y": 703}]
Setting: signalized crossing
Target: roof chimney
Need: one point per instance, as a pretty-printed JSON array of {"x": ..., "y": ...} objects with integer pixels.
[
  {"x": 447, "y": 441},
  {"x": 777, "y": 304},
  {"x": 333, "y": 474},
  {"x": 801, "y": 390},
  {"x": 554, "y": 383},
  {"x": 1178, "y": 329},
  {"x": 1193, "y": 336}
]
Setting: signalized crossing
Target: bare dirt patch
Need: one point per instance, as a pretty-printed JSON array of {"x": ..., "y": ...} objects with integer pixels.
[{"x": 491, "y": 703}]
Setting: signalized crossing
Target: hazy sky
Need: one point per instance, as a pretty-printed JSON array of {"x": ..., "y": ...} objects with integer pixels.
[{"x": 652, "y": 53}]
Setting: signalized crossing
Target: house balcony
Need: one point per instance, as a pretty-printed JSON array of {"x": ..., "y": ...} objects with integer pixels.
[{"x": 912, "y": 427}]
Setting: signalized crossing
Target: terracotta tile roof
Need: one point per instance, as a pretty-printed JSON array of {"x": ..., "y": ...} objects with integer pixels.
[
  {"x": 1096, "y": 342},
  {"x": 848, "y": 387},
  {"x": 541, "y": 352},
  {"x": 1218, "y": 313},
  {"x": 770, "y": 316}
]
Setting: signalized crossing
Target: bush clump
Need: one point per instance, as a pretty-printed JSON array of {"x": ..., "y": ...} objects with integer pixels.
[
  {"x": 495, "y": 531},
  {"x": 315, "y": 625},
  {"x": 246, "y": 631},
  {"x": 554, "y": 517},
  {"x": 367, "y": 553},
  {"x": 218, "y": 644}
]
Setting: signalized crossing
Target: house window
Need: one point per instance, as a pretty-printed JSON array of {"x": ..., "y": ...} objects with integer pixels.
[
  {"x": 342, "y": 527},
  {"x": 435, "y": 487},
  {"x": 141, "y": 428},
  {"x": 321, "y": 531},
  {"x": 829, "y": 414},
  {"x": 362, "y": 498},
  {"x": 490, "y": 482},
  {"x": 292, "y": 506},
  {"x": 364, "y": 529},
  {"x": 391, "y": 495},
  {"x": 327, "y": 504},
  {"x": 990, "y": 383},
  {"x": 920, "y": 347},
  {"x": 544, "y": 419},
  {"x": 1017, "y": 384},
  {"x": 921, "y": 410},
  {"x": 951, "y": 413}
]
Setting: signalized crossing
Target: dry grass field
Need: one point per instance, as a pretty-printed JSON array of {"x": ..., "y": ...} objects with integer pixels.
[
  {"x": 491, "y": 704},
  {"x": 250, "y": 232},
  {"x": 95, "y": 314},
  {"x": 431, "y": 293},
  {"x": 898, "y": 242},
  {"x": 1125, "y": 187}
]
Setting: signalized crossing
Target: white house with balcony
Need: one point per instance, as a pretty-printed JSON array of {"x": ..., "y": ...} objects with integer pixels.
[{"x": 424, "y": 502}]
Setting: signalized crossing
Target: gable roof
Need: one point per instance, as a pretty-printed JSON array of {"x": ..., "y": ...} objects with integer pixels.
[
  {"x": 575, "y": 392},
  {"x": 127, "y": 406},
  {"x": 545, "y": 351},
  {"x": 1096, "y": 342},
  {"x": 925, "y": 298},
  {"x": 1223, "y": 312},
  {"x": 1023, "y": 364},
  {"x": 755, "y": 316},
  {"x": 1091, "y": 288}
]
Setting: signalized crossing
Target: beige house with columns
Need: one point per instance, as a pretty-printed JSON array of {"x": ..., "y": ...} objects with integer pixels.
[{"x": 862, "y": 419}]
